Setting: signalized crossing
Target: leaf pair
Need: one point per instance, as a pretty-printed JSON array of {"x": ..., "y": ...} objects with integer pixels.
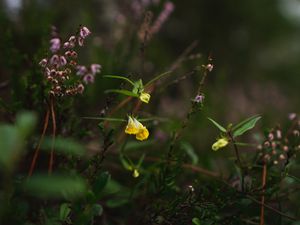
[{"x": 240, "y": 128}]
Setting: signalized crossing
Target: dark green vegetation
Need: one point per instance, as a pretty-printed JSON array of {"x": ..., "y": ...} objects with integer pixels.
[{"x": 221, "y": 79}]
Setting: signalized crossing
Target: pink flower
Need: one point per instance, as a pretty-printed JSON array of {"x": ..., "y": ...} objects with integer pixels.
[
  {"x": 80, "y": 88},
  {"x": 84, "y": 32},
  {"x": 43, "y": 62},
  {"x": 55, "y": 44},
  {"x": 80, "y": 41},
  {"x": 81, "y": 70},
  {"x": 72, "y": 39},
  {"x": 88, "y": 78},
  {"x": 66, "y": 45},
  {"x": 95, "y": 68},
  {"x": 54, "y": 60},
  {"x": 62, "y": 61}
]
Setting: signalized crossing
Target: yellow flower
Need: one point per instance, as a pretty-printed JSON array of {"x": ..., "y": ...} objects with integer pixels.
[
  {"x": 145, "y": 97},
  {"x": 135, "y": 127},
  {"x": 142, "y": 135},
  {"x": 135, "y": 173},
  {"x": 220, "y": 143}
]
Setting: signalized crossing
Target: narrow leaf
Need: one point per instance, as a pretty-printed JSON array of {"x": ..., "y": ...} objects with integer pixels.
[
  {"x": 119, "y": 77},
  {"x": 245, "y": 125},
  {"x": 217, "y": 125}
]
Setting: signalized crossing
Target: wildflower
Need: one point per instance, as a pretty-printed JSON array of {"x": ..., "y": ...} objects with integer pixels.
[
  {"x": 81, "y": 70},
  {"x": 80, "y": 41},
  {"x": 63, "y": 61},
  {"x": 135, "y": 173},
  {"x": 66, "y": 45},
  {"x": 54, "y": 60},
  {"x": 72, "y": 40},
  {"x": 220, "y": 143},
  {"x": 136, "y": 128},
  {"x": 55, "y": 44},
  {"x": 43, "y": 62},
  {"x": 95, "y": 68},
  {"x": 88, "y": 79},
  {"x": 145, "y": 97},
  {"x": 199, "y": 98},
  {"x": 84, "y": 32}
]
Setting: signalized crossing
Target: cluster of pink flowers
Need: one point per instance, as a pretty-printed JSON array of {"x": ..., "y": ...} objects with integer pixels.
[{"x": 59, "y": 67}]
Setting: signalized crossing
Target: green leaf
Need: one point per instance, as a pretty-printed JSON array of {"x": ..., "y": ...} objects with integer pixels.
[
  {"x": 140, "y": 161},
  {"x": 100, "y": 182},
  {"x": 97, "y": 210},
  {"x": 188, "y": 148},
  {"x": 245, "y": 125},
  {"x": 105, "y": 119},
  {"x": 126, "y": 162},
  {"x": 64, "y": 145},
  {"x": 119, "y": 77},
  {"x": 196, "y": 221},
  {"x": 138, "y": 87},
  {"x": 64, "y": 211},
  {"x": 123, "y": 92},
  {"x": 217, "y": 125},
  {"x": 55, "y": 186},
  {"x": 26, "y": 122}
]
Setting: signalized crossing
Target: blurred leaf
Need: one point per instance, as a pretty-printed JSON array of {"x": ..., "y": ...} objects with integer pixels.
[
  {"x": 100, "y": 182},
  {"x": 64, "y": 211},
  {"x": 119, "y": 77},
  {"x": 140, "y": 161},
  {"x": 65, "y": 146},
  {"x": 217, "y": 125},
  {"x": 55, "y": 186},
  {"x": 126, "y": 162},
  {"x": 134, "y": 145},
  {"x": 26, "y": 121},
  {"x": 106, "y": 119},
  {"x": 188, "y": 148},
  {"x": 123, "y": 92},
  {"x": 97, "y": 210},
  {"x": 11, "y": 143},
  {"x": 245, "y": 125},
  {"x": 196, "y": 221},
  {"x": 117, "y": 202}
]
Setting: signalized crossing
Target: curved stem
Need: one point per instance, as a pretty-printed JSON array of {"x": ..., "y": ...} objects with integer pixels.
[
  {"x": 36, "y": 153},
  {"x": 50, "y": 168}
]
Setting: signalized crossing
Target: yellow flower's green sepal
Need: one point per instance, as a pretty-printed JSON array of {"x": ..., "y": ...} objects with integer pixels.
[{"x": 220, "y": 143}]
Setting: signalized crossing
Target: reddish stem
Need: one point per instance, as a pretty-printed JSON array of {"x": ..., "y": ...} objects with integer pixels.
[
  {"x": 36, "y": 153},
  {"x": 50, "y": 168},
  {"x": 262, "y": 209}
]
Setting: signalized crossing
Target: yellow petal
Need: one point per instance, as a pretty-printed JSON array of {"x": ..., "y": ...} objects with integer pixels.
[
  {"x": 145, "y": 97},
  {"x": 132, "y": 127},
  {"x": 142, "y": 134},
  {"x": 220, "y": 143},
  {"x": 135, "y": 173}
]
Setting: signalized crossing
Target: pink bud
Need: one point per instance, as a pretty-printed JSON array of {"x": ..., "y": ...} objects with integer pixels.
[
  {"x": 84, "y": 32},
  {"x": 55, "y": 44},
  {"x": 80, "y": 41},
  {"x": 95, "y": 68},
  {"x": 63, "y": 61},
  {"x": 88, "y": 79},
  {"x": 43, "y": 62},
  {"x": 66, "y": 45},
  {"x": 81, "y": 70},
  {"x": 54, "y": 60}
]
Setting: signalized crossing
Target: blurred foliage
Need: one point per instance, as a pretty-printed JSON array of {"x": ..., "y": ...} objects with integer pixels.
[{"x": 226, "y": 60}]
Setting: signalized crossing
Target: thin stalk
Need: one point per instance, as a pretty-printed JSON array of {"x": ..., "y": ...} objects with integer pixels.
[
  {"x": 36, "y": 152},
  {"x": 262, "y": 209},
  {"x": 51, "y": 161}
]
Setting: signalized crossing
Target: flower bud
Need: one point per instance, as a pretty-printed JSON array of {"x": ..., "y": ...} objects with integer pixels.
[{"x": 43, "y": 62}]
